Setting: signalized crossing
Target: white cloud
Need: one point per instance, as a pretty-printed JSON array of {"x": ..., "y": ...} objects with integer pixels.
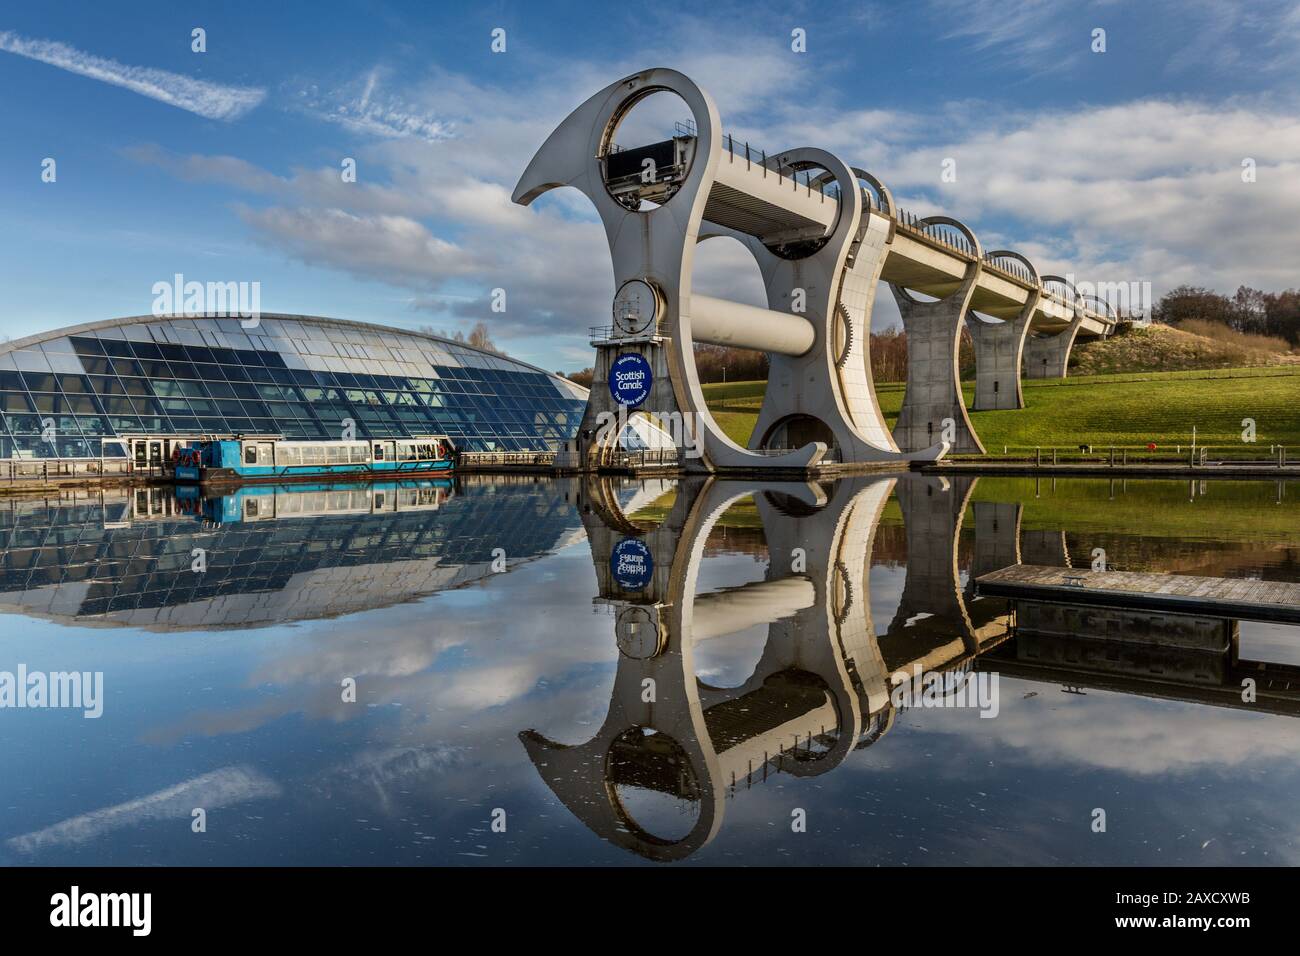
[
  {"x": 1149, "y": 737},
  {"x": 1148, "y": 190},
  {"x": 363, "y": 109},
  {"x": 1184, "y": 36},
  {"x": 210, "y": 100}
]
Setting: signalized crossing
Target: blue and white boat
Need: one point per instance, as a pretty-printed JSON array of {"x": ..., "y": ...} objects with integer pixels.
[
  {"x": 273, "y": 459},
  {"x": 265, "y": 501}
]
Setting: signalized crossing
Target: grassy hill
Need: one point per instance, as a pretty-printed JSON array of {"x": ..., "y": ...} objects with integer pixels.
[
  {"x": 1123, "y": 410},
  {"x": 1165, "y": 349}
]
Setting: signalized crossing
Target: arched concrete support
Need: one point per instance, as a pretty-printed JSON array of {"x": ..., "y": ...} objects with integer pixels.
[
  {"x": 933, "y": 404},
  {"x": 997, "y": 546},
  {"x": 1046, "y": 548},
  {"x": 656, "y": 246},
  {"x": 997, "y": 536},
  {"x": 999, "y": 349},
  {"x": 830, "y": 384},
  {"x": 931, "y": 628},
  {"x": 1048, "y": 356}
]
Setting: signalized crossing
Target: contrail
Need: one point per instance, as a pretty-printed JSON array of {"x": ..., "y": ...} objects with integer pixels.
[
  {"x": 220, "y": 788},
  {"x": 210, "y": 100}
]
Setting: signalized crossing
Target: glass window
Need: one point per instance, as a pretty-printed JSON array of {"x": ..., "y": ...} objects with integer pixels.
[
  {"x": 137, "y": 386},
  {"x": 15, "y": 402},
  {"x": 116, "y": 347},
  {"x": 38, "y": 382}
]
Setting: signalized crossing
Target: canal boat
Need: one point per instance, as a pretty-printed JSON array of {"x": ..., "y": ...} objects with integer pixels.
[{"x": 241, "y": 460}]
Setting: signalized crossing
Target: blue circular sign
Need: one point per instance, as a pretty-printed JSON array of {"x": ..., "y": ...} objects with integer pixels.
[
  {"x": 631, "y": 564},
  {"x": 630, "y": 379}
]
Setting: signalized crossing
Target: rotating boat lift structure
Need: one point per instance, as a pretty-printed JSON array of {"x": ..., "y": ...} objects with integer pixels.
[{"x": 824, "y": 234}]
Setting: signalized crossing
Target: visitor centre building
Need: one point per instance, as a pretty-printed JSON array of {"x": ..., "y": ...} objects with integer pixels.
[{"x": 138, "y": 387}]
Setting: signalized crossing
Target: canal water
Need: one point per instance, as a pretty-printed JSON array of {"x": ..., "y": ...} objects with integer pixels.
[{"x": 538, "y": 671}]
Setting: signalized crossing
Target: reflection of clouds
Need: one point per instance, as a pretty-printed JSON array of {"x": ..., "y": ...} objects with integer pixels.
[
  {"x": 378, "y": 773},
  {"x": 730, "y": 660},
  {"x": 385, "y": 652},
  {"x": 1111, "y": 731},
  {"x": 220, "y": 788},
  {"x": 446, "y": 659}
]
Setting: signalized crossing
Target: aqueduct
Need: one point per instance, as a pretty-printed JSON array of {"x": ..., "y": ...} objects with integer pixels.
[{"x": 824, "y": 235}]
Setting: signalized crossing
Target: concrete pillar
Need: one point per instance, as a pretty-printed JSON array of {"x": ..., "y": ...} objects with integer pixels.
[
  {"x": 1049, "y": 356},
  {"x": 931, "y": 627},
  {"x": 999, "y": 347},
  {"x": 1047, "y": 548},
  {"x": 933, "y": 396},
  {"x": 997, "y": 536}
]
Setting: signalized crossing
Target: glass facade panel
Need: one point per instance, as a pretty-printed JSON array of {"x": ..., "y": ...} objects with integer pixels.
[{"x": 300, "y": 378}]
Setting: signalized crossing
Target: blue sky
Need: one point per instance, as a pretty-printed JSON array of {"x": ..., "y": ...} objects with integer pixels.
[{"x": 225, "y": 165}]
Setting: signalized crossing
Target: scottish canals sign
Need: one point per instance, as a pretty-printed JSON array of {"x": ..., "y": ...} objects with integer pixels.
[
  {"x": 630, "y": 379},
  {"x": 631, "y": 564}
]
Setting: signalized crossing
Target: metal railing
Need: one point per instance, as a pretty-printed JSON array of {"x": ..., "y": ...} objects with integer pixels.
[
  {"x": 47, "y": 469},
  {"x": 940, "y": 233},
  {"x": 1194, "y": 456},
  {"x": 1012, "y": 267},
  {"x": 811, "y": 181},
  {"x": 644, "y": 457},
  {"x": 491, "y": 458}
]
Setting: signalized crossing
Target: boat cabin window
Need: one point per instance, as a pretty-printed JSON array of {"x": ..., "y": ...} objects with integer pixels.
[
  {"x": 250, "y": 454},
  {"x": 379, "y": 453}
]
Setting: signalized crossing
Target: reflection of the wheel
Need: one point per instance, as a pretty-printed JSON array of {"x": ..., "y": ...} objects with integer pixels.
[
  {"x": 652, "y": 786},
  {"x": 673, "y": 748}
]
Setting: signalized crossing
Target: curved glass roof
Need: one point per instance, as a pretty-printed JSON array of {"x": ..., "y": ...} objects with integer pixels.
[{"x": 300, "y": 377}]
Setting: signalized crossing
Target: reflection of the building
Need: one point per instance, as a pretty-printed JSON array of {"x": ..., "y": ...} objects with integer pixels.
[
  {"x": 822, "y": 686},
  {"x": 270, "y": 553}
]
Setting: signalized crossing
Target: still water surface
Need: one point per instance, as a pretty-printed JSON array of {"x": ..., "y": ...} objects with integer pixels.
[{"x": 625, "y": 672}]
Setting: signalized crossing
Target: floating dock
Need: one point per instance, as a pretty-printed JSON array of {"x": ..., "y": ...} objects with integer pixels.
[{"x": 1231, "y": 598}]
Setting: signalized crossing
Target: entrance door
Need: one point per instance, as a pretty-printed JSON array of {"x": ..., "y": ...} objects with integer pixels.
[
  {"x": 139, "y": 449},
  {"x": 155, "y": 453}
]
